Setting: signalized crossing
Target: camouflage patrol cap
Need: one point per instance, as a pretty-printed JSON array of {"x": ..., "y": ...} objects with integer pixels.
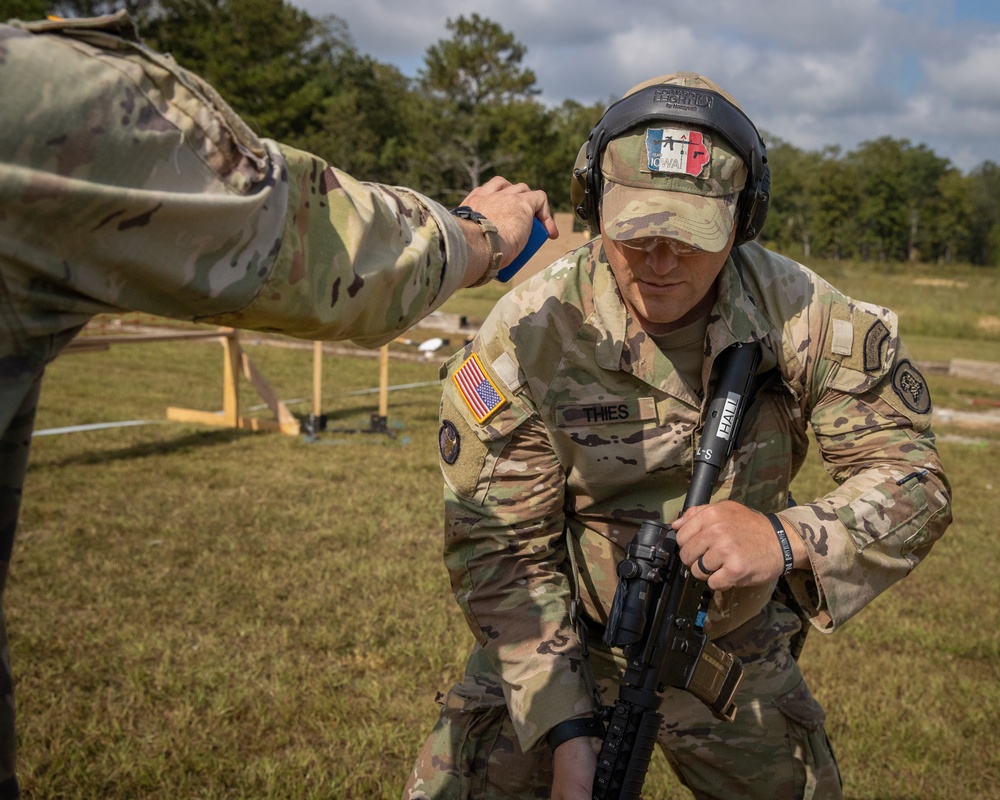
[{"x": 670, "y": 179}]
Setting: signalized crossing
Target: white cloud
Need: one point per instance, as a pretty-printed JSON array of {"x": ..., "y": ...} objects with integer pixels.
[
  {"x": 811, "y": 73},
  {"x": 970, "y": 78}
]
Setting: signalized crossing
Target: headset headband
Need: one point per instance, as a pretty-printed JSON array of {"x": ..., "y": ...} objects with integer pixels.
[{"x": 690, "y": 106}]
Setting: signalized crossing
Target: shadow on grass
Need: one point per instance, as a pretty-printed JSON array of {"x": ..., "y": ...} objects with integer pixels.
[{"x": 180, "y": 444}]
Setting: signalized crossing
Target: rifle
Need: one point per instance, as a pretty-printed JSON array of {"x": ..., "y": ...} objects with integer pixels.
[{"x": 669, "y": 647}]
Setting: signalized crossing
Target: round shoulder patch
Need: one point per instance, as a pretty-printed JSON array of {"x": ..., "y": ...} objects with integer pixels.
[
  {"x": 910, "y": 386},
  {"x": 449, "y": 442}
]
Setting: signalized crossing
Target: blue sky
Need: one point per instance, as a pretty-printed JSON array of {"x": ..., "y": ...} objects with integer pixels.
[{"x": 811, "y": 72}]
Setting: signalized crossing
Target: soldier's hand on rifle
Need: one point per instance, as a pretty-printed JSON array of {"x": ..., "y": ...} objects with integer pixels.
[{"x": 728, "y": 544}]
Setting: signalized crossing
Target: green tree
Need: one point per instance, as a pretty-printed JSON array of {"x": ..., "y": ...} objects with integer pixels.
[
  {"x": 984, "y": 226},
  {"x": 788, "y": 226},
  {"x": 570, "y": 125},
  {"x": 924, "y": 175},
  {"x": 947, "y": 219},
  {"x": 272, "y": 62},
  {"x": 363, "y": 120},
  {"x": 39, "y": 9},
  {"x": 834, "y": 191},
  {"x": 25, "y": 9},
  {"x": 900, "y": 186},
  {"x": 478, "y": 110},
  {"x": 883, "y": 214}
]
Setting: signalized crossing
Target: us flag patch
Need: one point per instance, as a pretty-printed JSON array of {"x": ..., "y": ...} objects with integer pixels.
[{"x": 479, "y": 392}]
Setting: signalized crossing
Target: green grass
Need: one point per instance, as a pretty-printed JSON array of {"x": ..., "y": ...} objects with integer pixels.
[
  {"x": 475, "y": 303},
  {"x": 958, "y": 302},
  {"x": 204, "y": 613}
]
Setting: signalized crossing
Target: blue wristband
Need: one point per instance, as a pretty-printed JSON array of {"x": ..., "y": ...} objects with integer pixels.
[{"x": 786, "y": 547}]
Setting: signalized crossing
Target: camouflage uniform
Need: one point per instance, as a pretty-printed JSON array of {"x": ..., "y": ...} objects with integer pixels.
[
  {"x": 590, "y": 430},
  {"x": 126, "y": 183}
]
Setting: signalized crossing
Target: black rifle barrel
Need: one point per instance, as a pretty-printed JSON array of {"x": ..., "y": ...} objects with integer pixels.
[
  {"x": 635, "y": 719},
  {"x": 722, "y": 423}
]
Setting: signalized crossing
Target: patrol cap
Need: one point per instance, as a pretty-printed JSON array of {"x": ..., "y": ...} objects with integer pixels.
[{"x": 672, "y": 179}]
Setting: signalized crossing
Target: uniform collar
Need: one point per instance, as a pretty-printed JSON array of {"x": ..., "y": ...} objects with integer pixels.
[{"x": 624, "y": 346}]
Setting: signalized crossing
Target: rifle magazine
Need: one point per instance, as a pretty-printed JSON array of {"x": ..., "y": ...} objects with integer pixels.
[{"x": 717, "y": 676}]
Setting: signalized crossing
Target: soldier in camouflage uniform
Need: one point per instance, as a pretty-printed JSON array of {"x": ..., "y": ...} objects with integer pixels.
[
  {"x": 126, "y": 183},
  {"x": 573, "y": 416}
]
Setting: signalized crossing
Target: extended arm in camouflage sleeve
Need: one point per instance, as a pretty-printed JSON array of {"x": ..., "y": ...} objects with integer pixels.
[
  {"x": 893, "y": 501},
  {"x": 506, "y": 553},
  {"x": 356, "y": 260},
  {"x": 126, "y": 183}
]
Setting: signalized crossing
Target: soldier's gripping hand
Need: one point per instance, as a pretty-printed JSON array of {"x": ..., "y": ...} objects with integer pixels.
[
  {"x": 512, "y": 208},
  {"x": 728, "y": 544}
]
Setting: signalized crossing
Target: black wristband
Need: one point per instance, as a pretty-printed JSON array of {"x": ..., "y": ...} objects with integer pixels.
[
  {"x": 573, "y": 729},
  {"x": 786, "y": 547}
]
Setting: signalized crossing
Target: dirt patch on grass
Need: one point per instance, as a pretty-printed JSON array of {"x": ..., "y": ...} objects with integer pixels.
[
  {"x": 988, "y": 324},
  {"x": 941, "y": 283}
]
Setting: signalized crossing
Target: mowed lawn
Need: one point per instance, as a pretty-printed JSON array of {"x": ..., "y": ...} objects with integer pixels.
[{"x": 197, "y": 612}]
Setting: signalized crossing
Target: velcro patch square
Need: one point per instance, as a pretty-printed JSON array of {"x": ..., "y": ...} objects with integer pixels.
[{"x": 843, "y": 337}]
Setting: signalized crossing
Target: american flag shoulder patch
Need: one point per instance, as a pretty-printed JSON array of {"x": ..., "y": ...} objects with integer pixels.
[{"x": 478, "y": 390}]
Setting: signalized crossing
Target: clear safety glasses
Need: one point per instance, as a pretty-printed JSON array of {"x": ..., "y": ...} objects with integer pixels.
[{"x": 647, "y": 244}]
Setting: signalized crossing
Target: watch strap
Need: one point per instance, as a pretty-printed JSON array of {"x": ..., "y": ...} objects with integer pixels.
[{"x": 492, "y": 236}]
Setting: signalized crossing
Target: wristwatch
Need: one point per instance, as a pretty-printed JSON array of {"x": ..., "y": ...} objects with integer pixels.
[{"x": 492, "y": 239}]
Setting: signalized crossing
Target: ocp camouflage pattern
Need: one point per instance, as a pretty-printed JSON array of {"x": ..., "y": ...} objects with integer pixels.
[
  {"x": 127, "y": 184},
  {"x": 597, "y": 433}
]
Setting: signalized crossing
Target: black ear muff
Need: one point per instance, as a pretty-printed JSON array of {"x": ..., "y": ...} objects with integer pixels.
[
  {"x": 579, "y": 197},
  {"x": 689, "y": 106}
]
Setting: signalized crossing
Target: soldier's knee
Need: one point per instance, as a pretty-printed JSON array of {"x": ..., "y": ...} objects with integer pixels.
[
  {"x": 817, "y": 776},
  {"x": 473, "y": 753}
]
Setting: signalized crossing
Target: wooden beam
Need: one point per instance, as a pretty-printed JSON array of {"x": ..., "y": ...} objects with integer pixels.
[
  {"x": 383, "y": 381},
  {"x": 286, "y": 422},
  {"x": 317, "y": 398},
  {"x": 988, "y": 371},
  {"x": 83, "y": 344},
  {"x": 234, "y": 361}
]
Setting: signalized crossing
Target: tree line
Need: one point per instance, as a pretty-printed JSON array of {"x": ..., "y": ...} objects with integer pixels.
[{"x": 473, "y": 112}]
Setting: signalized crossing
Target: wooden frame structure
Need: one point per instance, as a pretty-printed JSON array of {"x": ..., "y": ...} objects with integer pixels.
[
  {"x": 234, "y": 361},
  {"x": 317, "y": 419}
]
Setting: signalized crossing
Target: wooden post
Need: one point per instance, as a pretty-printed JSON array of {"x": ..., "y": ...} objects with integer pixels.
[
  {"x": 231, "y": 359},
  {"x": 383, "y": 381},
  {"x": 317, "y": 404},
  {"x": 234, "y": 360}
]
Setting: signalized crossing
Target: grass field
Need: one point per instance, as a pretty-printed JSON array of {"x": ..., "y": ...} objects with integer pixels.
[{"x": 202, "y": 613}]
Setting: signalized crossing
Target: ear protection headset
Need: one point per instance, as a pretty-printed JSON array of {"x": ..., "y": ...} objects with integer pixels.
[{"x": 689, "y": 106}]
